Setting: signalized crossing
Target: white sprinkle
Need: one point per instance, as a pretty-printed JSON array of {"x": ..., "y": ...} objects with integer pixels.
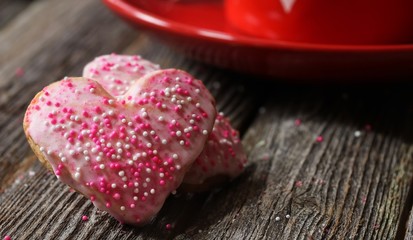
[
  {"x": 98, "y": 158},
  {"x": 147, "y": 179},
  {"x": 77, "y": 174},
  {"x": 160, "y": 118},
  {"x": 145, "y": 133},
  {"x": 72, "y": 152},
  {"x": 164, "y": 141},
  {"x": 110, "y": 101},
  {"x": 121, "y": 173},
  {"x": 155, "y": 152},
  {"x": 102, "y": 166},
  {"x": 41, "y": 149},
  {"x": 145, "y": 194},
  {"x": 357, "y": 134},
  {"x": 197, "y": 90},
  {"x": 178, "y": 133},
  {"x": 182, "y": 142},
  {"x": 178, "y": 166},
  {"x": 122, "y": 208},
  {"x": 148, "y": 170},
  {"x": 152, "y": 191},
  {"x": 205, "y": 132},
  {"x": 287, "y": 216},
  {"x": 113, "y": 185},
  {"x": 92, "y": 90},
  {"x": 149, "y": 145},
  {"x": 144, "y": 114},
  {"x": 152, "y": 132},
  {"x": 197, "y": 105},
  {"x": 277, "y": 219},
  {"x": 175, "y": 156},
  {"x": 135, "y": 198},
  {"x": 161, "y": 175}
]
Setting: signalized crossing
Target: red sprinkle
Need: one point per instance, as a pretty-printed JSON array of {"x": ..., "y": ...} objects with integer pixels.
[
  {"x": 7, "y": 238},
  {"x": 19, "y": 72},
  {"x": 85, "y": 218},
  {"x": 168, "y": 226},
  {"x": 319, "y": 139}
]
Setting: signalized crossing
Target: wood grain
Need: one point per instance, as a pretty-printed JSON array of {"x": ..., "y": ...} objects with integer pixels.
[
  {"x": 10, "y": 8},
  {"x": 344, "y": 187},
  {"x": 354, "y": 183}
]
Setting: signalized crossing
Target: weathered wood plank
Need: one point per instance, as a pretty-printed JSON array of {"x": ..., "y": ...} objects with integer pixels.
[
  {"x": 9, "y": 9},
  {"x": 344, "y": 187}
]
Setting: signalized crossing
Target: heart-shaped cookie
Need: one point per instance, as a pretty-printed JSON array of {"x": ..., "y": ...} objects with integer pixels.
[
  {"x": 125, "y": 153},
  {"x": 116, "y": 73},
  {"x": 223, "y": 156}
]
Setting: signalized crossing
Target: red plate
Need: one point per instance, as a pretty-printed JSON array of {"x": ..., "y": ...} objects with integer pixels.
[{"x": 199, "y": 29}]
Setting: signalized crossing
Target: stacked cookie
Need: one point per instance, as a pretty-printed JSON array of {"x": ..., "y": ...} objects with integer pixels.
[{"x": 128, "y": 133}]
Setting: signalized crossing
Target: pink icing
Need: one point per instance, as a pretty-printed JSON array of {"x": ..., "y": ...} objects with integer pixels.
[
  {"x": 116, "y": 73},
  {"x": 125, "y": 153},
  {"x": 223, "y": 154}
]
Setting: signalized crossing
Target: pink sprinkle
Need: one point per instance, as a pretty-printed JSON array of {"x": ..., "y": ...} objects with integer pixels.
[
  {"x": 85, "y": 218},
  {"x": 168, "y": 226},
  {"x": 297, "y": 122},
  {"x": 19, "y": 72},
  {"x": 299, "y": 184},
  {"x": 319, "y": 139}
]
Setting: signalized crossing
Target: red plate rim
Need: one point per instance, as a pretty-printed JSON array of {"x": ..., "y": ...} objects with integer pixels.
[{"x": 154, "y": 21}]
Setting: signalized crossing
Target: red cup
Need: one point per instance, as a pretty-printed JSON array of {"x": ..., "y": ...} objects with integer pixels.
[{"x": 350, "y": 22}]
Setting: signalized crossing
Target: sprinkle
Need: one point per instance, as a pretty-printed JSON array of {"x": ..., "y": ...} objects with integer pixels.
[
  {"x": 168, "y": 226},
  {"x": 287, "y": 216},
  {"x": 85, "y": 218},
  {"x": 319, "y": 139},
  {"x": 7, "y": 237},
  {"x": 357, "y": 134},
  {"x": 277, "y": 219},
  {"x": 297, "y": 122},
  {"x": 19, "y": 72}
]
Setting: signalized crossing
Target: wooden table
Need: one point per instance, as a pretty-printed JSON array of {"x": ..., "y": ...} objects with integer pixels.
[{"x": 326, "y": 161}]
